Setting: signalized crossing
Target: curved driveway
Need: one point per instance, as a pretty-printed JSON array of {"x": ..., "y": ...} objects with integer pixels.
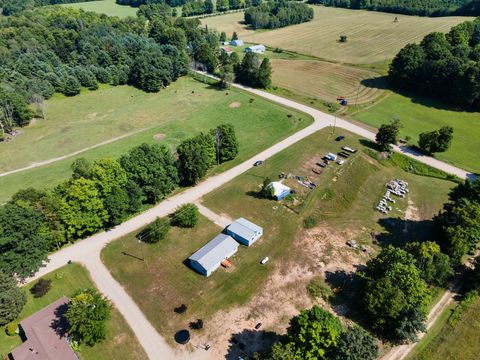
[{"x": 87, "y": 251}]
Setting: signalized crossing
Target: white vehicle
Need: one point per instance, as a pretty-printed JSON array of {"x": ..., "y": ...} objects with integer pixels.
[
  {"x": 346, "y": 148},
  {"x": 264, "y": 260},
  {"x": 340, "y": 162},
  {"x": 331, "y": 156}
]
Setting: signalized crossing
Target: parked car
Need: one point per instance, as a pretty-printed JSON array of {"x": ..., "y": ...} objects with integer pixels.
[
  {"x": 340, "y": 138},
  {"x": 340, "y": 162},
  {"x": 344, "y": 155},
  {"x": 258, "y": 163},
  {"x": 264, "y": 260}
]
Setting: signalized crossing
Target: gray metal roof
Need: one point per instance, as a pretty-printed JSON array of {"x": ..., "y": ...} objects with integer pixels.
[
  {"x": 244, "y": 228},
  {"x": 215, "y": 251}
]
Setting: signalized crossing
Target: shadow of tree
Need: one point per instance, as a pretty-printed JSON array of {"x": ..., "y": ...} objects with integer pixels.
[
  {"x": 60, "y": 323},
  {"x": 378, "y": 82},
  {"x": 398, "y": 232},
  {"x": 247, "y": 342}
]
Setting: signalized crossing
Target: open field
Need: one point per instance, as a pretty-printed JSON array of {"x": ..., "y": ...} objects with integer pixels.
[
  {"x": 107, "y": 7},
  {"x": 419, "y": 115},
  {"x": 184, "y": 109},
  {"x": 121, "y": 343},
  {"x": 230, "y": 300},
  {"x": 372, "y": 36},
  {"x": 327, "y": 81},
  {"x": 452, "y": 342}
]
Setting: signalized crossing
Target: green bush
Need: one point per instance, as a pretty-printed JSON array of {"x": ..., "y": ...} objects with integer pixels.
[
  {"x": 317, "y": 288},
  {"x": 41, "y": 288},
  {"x": 309, "y": 222},
  {"x": 11, "y": 329},
  {"x": 156, "y": 231},
  {"x": 457, "y": 313},
  {"x": 186, "y": 216}
]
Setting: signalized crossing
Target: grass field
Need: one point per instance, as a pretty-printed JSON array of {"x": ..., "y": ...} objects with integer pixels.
[
  {"x": 372, "y": 36},
  {"x": 121, "y": 343},
  {"x": 163, "y": 282},
  {"x": 327, "y": 81},
  {"x": 419, "y": 115},
  {"x": 107, "y": 7},
  {"x": 182, "y": 110},
  {"x": 447, "y": 342}
]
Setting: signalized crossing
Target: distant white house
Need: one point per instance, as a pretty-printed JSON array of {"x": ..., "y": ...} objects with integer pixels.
[
  {"x": 280, "y": 191},
  {"x": 259, "y": 49},
  {"x": 237, "y": 42},
  {"x": 244, "y": 231},
  {"x": 209, "y": 258}
]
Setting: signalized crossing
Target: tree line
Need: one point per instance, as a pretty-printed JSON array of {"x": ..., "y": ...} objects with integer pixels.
[
  {"x": 102, "y": 194},
  {"x": 63, "y": 49},
  {"x": 277, "y": 13},
  {"x": 11, "y": 7},
  {"x": 443, "y": 66},
  {"x": 410, "y": 7}
]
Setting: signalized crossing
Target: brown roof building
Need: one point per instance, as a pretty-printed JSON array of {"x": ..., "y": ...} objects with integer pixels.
[{"x": 46, "y": 335}]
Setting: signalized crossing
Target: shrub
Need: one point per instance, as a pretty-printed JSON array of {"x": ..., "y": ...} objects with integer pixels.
[
  {"x": 317, "y": 288},
  {"x": 41, "y": 288},
  {"x": 156, "y": 231},
  {"x": 309, "y": 222},
  {"x": 11, "y": 329},
  {"x": 186, "y": 216}
]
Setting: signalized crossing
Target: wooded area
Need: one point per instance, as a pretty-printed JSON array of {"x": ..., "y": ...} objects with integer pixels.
[
  {"x": 444, "y": 66},
  {"x": 277, "y": 14}
]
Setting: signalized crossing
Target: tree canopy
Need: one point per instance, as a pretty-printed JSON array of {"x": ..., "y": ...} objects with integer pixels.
[
  {"x": 87, "y": 316},
  {"x": 444, "y": 66},
  {"x": 388, "y": 134},
  {"x": 277, "y": 13},
  {"x": 12, "y": 299}
]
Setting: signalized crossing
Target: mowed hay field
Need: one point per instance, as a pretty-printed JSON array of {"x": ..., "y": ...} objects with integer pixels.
[
  {"x": 372, "y": 36},
  {"x": 107, "y": 7},
  {"x": 327, "y": 81}
]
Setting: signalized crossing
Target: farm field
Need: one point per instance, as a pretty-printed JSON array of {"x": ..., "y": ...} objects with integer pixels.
[
  {"x": 419, "y": 115},
  {"x": 372, "y": 36},
  {"x": 121, "y": 343},
  {"x": 107, "y": 7},
  {"x": 184, "y": 109},
  {"x": 459, "y": 341},
  {"x": 327, "y": 81},
  {"x": 343, "y": 203}
]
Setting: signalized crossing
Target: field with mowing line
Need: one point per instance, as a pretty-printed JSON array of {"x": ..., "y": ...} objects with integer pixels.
[
  {"x": 352, "y": 189},
  {"x": 419, "y": 115},
  {"x": 121, "y": 343},
  {"x": 327, "y": 81},
  {"x": 372, "y": 36},
  {"x": 448, "y": 342},
  {"x": 107, "y": 7},
  {"x": 184, "y": 109}
]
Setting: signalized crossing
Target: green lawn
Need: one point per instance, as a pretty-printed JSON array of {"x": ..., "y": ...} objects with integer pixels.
[
  {"x": 121, "y": 343},
  {"x": 108, "y": 7},
  {"x": 429, "y": 115},
  {"x": 184, "y": 109},
  {"x": 447, "y": 342},
  {"x": 344, "y": 199}
]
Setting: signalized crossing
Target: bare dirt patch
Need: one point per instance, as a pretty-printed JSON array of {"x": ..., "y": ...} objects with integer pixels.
[
  {"x": 33, "y": 122},
  {"x": 316, "y": 253},
  {"x": 235, "y": 105},
  {"x": 159, "y": 137}
]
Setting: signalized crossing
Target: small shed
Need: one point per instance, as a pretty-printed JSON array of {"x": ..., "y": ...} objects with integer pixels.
[
  {"x": 244, "y": 231},
  {"x": 280, "y": 191},
  {"x": 237, "y": 42},
  {"x": 226, "y": 49},
  {"x": 259, "y": 49},
  {"x": 209, "y": 258}
]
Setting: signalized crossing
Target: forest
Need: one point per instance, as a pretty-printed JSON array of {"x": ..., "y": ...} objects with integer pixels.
[
  {"x": 443, "y": 66},
  {"x": 138, "y": 3},
  {"x": 277, "y": 14},
  {"x": 55, "y": 49},
  {"x": 410, "y": 7},
  {"x": 10, "y": 7}
]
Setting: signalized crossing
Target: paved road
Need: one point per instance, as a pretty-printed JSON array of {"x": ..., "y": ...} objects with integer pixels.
[{"x": 87, "y": 251}]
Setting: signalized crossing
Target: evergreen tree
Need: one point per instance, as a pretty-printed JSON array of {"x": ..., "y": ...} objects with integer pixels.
[
  {"x": 226, "y": 142},
  {"x": 12, "y": 299},
  {"x": 264, "y": 74},
  {"x": 72, "y": 86}
]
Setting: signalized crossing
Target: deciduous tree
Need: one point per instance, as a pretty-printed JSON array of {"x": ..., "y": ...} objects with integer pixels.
[
  {"x": 186, "y": 216},
  {"x": 388, "y": 134},
  {"x": 12, "y": 299}
]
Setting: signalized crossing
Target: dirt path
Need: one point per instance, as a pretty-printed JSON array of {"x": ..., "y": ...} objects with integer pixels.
[
  {"x": 221, "y": 220},
  {"x": 401, "y": 352},
  {"x": 50, "y": 161}
]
